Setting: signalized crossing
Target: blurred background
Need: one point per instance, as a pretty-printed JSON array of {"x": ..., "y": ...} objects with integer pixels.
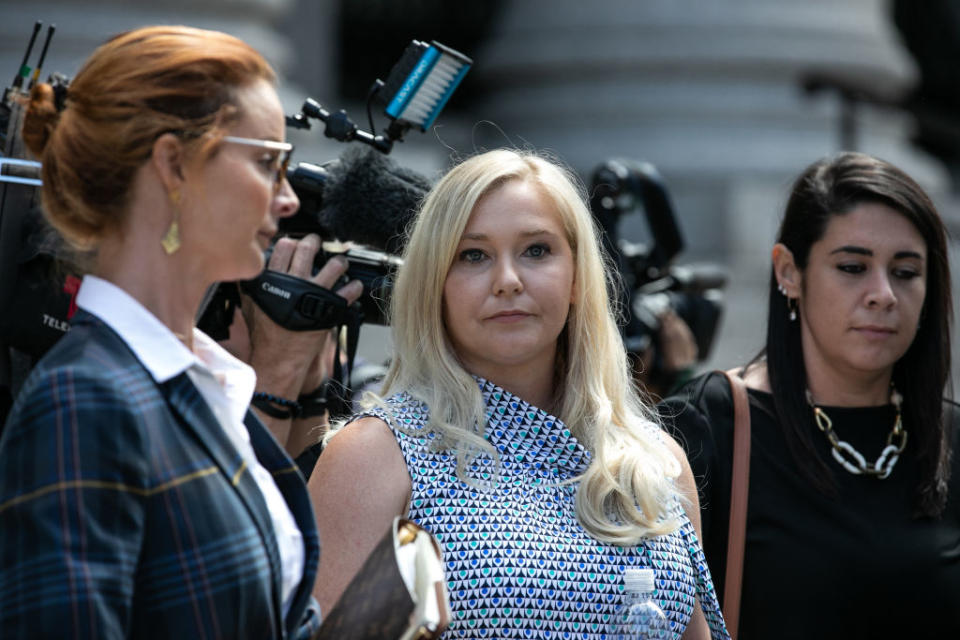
[{"x": 728, "y": 99}]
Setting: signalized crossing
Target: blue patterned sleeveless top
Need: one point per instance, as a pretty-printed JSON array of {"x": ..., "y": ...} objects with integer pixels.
[{"x": 518, "y": 563}]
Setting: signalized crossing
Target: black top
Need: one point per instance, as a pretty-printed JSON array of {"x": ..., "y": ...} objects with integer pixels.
[{"x": 855, "y": 565}]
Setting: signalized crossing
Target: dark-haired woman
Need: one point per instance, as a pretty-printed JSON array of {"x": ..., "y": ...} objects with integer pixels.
[
  {"x": 139, "y": 496},
  {"x": 853, "y": 522}
]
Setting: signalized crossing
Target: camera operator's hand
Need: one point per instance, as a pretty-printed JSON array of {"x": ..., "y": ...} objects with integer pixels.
[
  {"x": 669, "y": 360},
  {"x": 291, "y": 363},
  {"x": 678, "y": 346}
]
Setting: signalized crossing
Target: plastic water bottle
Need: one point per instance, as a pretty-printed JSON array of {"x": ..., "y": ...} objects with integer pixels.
[{"x": 640, "y": 618}]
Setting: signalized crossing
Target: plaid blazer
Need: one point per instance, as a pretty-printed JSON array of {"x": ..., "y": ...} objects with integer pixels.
[{"x": 125, "y": 512}]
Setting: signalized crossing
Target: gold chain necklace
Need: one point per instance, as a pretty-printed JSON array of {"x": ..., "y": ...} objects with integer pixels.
[{"x": 851, "y": 459}]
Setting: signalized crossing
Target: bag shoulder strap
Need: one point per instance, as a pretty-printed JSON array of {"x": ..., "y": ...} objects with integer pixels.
[{"x": 740, "y": 481}]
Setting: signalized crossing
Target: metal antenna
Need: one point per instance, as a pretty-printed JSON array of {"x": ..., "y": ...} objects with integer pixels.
[{"x": 24, "y": 69}]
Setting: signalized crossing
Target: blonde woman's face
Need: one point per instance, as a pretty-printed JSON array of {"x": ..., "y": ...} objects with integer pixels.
[{"x": 508, "y": 292}]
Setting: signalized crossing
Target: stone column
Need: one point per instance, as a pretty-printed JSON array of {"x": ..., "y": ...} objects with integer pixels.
[{"x": 708, "y": 91}]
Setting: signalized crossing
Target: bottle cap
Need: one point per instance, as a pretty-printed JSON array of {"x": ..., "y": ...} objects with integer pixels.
[{"x": 638, "y": 580}]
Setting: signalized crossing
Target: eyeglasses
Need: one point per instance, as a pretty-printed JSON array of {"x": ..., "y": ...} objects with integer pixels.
[{"x": 285, "y": 148}]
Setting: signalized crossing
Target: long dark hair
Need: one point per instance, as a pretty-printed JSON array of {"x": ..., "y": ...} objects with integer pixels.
[{"x": 833, "y": 187}]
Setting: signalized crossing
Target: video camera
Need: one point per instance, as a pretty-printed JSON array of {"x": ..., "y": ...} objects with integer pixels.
[
  {"x": 651, "y": 283},
  {"x": 359, "y": 204},
  {"x": 361, "y": 198},
  {"x": 38, "y": 283},
  {"x": 43, "y": 283}
]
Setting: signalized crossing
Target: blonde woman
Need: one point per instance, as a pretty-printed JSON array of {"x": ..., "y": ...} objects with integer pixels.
[{"x": 510, "y": 428}]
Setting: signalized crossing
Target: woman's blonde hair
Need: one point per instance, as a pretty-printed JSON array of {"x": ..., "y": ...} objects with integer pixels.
[{"x": 632, "y": 466}]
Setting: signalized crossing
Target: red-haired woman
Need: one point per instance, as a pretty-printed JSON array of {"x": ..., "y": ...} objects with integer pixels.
[{"x": 139, "y": 497}]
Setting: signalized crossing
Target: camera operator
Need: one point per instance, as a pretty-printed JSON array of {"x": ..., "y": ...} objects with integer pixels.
[
  {"x": 290, "y": 365},
  {"x": 671, "y": 312},
  {"x": 669, "y": 359}
]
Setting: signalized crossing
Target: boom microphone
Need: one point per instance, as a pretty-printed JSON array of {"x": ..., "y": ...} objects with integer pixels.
[{"x": 362, "y": 197}]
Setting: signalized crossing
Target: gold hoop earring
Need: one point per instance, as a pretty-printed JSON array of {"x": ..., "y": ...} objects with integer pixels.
[{"x": 171, "y": 239}]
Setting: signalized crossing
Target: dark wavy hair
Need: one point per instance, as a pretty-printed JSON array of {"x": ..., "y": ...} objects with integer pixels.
[{"x": 833, "y": 187}]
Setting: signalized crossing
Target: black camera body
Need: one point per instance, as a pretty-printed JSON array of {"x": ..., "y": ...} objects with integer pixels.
[
  {"x": 299, "y": 305},
  {"x": 651, "y": 283},
  {"x": 361, "y": 198},
  {"x": 693, "y": 292},
  {"x": 39, "y": 281},
  {"x": 359, "y": 206},
  {"x": 339, "y": 200},
  {"x": 376, "y": 270}
]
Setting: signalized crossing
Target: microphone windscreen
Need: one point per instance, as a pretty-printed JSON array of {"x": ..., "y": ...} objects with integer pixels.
[{"x": 369, "y": 199}]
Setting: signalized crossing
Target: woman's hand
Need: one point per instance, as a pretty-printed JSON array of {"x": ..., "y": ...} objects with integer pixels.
[{"x": 677, "y": 342}]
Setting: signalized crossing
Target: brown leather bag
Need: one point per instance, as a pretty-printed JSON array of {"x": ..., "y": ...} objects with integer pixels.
[
  {"x": 377, "y": 605},
  {"x": 740, "y": 482}
]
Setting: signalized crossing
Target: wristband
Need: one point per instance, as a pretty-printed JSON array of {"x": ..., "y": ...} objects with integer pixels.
[
  {"x": 314, "y": 404},
  {"x": 275, "y": 406}
]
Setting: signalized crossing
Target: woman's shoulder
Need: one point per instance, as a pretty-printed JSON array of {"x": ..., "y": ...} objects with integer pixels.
[
  {"x": 365, "y": 434},
  {"x": 94, "y": 363},
  {"x": 706, "y": 393},
  {"x": 401, "y": 413},
  {"x": 364, "y": 448},
  {"x": 94, "y": 390},
  {"x": 700, "y": 414},
  {"x": 93, "y": 353}
]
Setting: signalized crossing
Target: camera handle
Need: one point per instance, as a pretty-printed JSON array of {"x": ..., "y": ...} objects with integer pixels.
[{"x": 300, "y": 305}]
